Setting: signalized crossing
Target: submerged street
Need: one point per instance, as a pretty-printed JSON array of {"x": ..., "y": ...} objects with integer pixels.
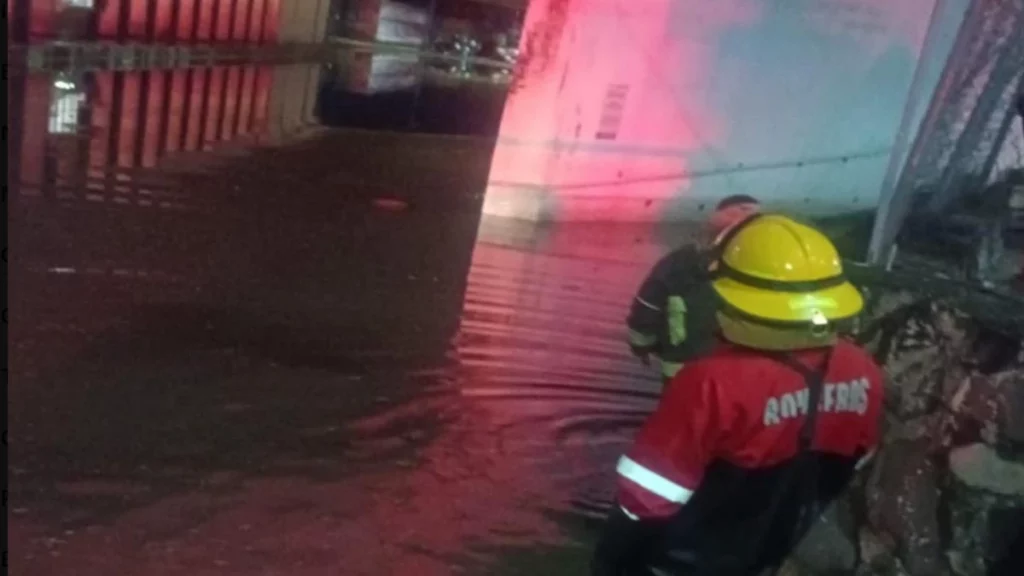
[
  {"x": 280, "y": 305},
  {"x": 307, "y": 365}
]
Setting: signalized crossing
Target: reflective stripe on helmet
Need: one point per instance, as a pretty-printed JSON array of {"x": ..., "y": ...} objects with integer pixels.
[{"x": 800, "y": 286}]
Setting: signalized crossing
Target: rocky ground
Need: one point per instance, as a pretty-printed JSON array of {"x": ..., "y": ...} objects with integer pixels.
[{"x": 945, "y": 494}]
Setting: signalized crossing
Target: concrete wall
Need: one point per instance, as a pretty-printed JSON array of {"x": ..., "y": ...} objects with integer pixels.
[{"x": 648, "y": 110}]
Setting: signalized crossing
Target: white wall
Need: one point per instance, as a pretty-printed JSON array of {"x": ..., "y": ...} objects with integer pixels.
[{"x": 795, "y": 101}]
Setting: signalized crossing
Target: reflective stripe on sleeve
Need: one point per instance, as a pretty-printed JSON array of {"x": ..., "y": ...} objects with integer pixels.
[
  {"x": 670, "y": 369},
  {"x": 648, "y": 304},
  {"x": 652, "y": 481},
  {"x": 641, "y": 339},
  {"x": 628, "y": 514},
  {"x": 866, "y": 459}
]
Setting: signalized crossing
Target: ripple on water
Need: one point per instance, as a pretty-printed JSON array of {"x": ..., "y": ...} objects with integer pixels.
[
  {"x": 541, "y": 349},
  {"x": 538, "y": 400}
]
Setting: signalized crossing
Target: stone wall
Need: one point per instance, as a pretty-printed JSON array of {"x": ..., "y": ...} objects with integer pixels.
[{"x": 945, "y": 494}]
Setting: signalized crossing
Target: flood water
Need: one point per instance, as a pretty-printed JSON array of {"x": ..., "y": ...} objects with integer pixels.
[{"x": 305, "y": 357}]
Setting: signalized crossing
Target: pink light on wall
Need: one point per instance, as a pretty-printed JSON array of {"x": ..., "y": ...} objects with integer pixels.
[
  {"x": 256, "y": 20},
  {"x": 42, "y": 18},
  {"x": 162, "y": 28},
  {"x": 137, "y": 12},
  {"x": 38, "y": 90},
  {"x": 271, "y": 17},
  {"x": 176, "y": 110},
  {"x": 127, "y": 125},
  {"x": 240, "y": 31},
  {"x": 238, "y": 20},
  {"x": 152, "y": 147},
  {"x": 106, "y": 20},
  {"x": 248, "y": 89},
  {"x": 194, "y": 117},
  {"x": 224, "y": 22},
  {"x": 102, "y": 120},
  {"x": 211, "y": 131},
  {"x": 204, "y": 28},
  {"x": 229, "y": 123},
  {"x": 597, "y": 105},
  {"x": 261, "y": 101},
  {"x": 645, "y": 110}
]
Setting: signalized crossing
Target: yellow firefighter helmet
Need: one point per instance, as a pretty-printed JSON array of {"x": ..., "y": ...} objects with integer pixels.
[{"x": 776, "y": 274}]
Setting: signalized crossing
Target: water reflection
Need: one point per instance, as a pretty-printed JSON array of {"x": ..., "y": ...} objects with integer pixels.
[
  {"x": 85, "y": 128},
  {"x": 405, "y": 92},
  {"x": 269, "y": 373},
  {"x": 539, "y": 399},
  {"x": 365, "y": 391},
  {"x": 231, "y": 361},
  {"x": 213, "y": 310},
  {"x": 541, "y": 354}
]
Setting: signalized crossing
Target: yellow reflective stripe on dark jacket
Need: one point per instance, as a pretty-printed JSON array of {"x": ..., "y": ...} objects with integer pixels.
[{"x": 673, "y": 313}]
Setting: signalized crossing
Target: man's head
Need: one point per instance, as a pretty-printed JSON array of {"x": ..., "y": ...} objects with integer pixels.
[{"x": 730, "y": 211}]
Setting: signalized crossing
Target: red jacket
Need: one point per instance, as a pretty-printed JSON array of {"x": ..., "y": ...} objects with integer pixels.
[{"x": 719, "y": 446}]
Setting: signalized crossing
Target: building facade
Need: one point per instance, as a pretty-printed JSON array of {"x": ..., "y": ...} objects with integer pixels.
[{"x": 167, "y": 21}]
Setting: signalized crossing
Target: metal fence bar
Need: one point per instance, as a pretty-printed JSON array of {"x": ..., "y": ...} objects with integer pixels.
[
  {"x": 904, "y": 140},
  {"x": 962, "y": 125}
]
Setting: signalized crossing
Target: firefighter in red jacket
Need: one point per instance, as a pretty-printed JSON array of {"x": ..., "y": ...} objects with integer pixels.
[{"x": 749, "y": 443}]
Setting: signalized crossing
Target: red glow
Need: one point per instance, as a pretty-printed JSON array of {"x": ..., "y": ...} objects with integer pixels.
[
  {"x": 211, "y": 133},
  {"x": 246, "y": 105},
  {"x": 235, "y": 105},
  {"x": 240, "y": 32},
  {"x": 42, "y": 18},
  {"x": 230, "y": 121},
  {"x": 186, "y": 19},
  {"x": 154, "y": 113},
  {"x": 689, "y": 72},
  {"x": 264, "y": 82},
  {"x": 204, "y": 31},
  {"x": 33, "y": 147},
  {"x": 127, "y": 124},
  {"x": 256, "y": 20},
  {"x": 162, "y": 28},
  {"x": 193, "y": 122},
  {"x": 248, "y": 22},
  {"x": 107, "y": 18},
  {"x": 137, "y": 19},
  {"x": 176, "y": 111},
  {"x": 102, "y": 120},
  {"x": 272, "y": 14},
  {"x": 224, "y": 21}
]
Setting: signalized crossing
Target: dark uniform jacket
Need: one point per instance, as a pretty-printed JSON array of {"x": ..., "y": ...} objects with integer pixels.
[{"x": 673, "y": 313}]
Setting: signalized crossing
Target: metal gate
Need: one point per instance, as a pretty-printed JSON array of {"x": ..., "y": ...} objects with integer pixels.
[{"x": 970, "y": 113}]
